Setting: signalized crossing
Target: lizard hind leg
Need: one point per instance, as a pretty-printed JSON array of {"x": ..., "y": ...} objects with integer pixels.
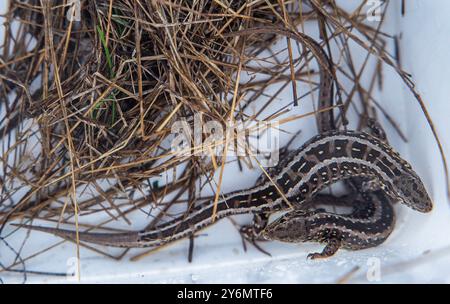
[
  {"x": 377, "y": 130},
  {"x": 330, "y": 249},
  {"x": 251, "y": 233}
]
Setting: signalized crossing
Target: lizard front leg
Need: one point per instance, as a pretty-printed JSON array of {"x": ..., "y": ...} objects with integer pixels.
[{"x": 333, "y": 245}]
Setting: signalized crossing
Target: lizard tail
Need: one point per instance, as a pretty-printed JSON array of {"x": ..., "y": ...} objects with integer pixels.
[{"x": 125, "y": 239}]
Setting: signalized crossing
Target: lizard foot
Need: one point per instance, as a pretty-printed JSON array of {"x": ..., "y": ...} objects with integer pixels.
[
  {"x": 330, "y": 249},
  {"x": 251, "y": 235}
]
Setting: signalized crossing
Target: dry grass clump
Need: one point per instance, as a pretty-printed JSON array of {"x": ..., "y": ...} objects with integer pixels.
[{"x": 124, "y": 73}]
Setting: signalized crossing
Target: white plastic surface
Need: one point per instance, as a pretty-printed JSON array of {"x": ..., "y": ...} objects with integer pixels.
[{"x": 219, "y": 257}]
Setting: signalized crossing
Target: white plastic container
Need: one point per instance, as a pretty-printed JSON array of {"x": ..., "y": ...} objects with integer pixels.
[{"x": 417, "y": 251}]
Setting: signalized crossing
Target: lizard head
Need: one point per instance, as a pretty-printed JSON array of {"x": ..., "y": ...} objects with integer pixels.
[
  {"x": 411, "y": 190},
  {"x": 293, "y": 226}
]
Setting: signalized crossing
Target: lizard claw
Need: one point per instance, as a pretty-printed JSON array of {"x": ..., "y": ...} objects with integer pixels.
[{"x": 314, "y": 256}]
